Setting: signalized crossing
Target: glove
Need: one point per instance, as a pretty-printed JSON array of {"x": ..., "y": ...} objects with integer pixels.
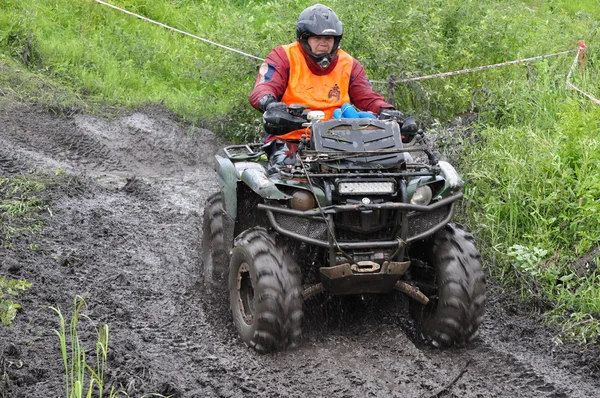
[
  {"x": 265, "y": 101},
  {"x": 391, "y": 114},
  {"x": 276, "y": 106}
]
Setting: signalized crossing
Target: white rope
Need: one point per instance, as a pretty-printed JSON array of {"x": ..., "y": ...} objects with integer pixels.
[
  {"x": 476, "y": 69},
  {"x": 580, "y": 52},
  {"x": 177, "y": 30}
]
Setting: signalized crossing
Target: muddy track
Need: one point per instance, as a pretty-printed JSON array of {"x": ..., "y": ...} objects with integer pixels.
[{"x": 123, "y": 229}]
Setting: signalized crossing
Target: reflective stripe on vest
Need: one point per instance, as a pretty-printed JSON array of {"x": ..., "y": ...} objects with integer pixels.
[{"x": 320, "y": 93}]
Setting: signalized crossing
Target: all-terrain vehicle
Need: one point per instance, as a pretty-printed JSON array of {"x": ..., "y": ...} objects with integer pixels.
[{"x": 354, "y": 214}]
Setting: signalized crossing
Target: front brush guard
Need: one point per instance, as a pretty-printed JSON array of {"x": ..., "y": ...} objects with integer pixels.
[{"x": 329, "y": 211}]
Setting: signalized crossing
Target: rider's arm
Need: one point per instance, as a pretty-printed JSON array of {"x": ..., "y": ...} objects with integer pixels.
[
  {"x": 272, "y": 77},
  {"x": 361, "y": 92}
]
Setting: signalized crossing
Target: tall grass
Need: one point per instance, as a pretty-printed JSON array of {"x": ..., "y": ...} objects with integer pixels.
[
  {"x": 540, "y": 189},
  {"x": 81, "y": 378}
]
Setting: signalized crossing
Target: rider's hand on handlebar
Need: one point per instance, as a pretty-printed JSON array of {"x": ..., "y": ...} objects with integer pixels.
[
  {"x": 391, "y": 114},
  {"x": 265, "y": 101},
  {"x": 276, "y": 106}
]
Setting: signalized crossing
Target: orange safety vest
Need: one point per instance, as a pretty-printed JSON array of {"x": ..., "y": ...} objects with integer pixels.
[{"x": 320, "y": 93}]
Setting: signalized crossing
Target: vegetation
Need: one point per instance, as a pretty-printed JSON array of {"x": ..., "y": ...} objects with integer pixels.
[
  {"x": 82, "y": 378},
  {"x": 530, "y": 160},
  {"x": 78, "y": 372},
  {"x": 8, "y": 308},
  {"x": 19, "y": 205}
]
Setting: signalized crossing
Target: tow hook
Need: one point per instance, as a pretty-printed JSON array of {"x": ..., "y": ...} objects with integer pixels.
[{"x": 365, "y": 267}]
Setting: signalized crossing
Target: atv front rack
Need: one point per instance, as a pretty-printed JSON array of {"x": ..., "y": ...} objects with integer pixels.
[
  {"x": 310, "y": 156},
  {"x": 244, "y": 152}
]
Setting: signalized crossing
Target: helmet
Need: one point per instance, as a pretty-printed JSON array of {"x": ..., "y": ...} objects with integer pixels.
[{"x": 319, "y": 20}]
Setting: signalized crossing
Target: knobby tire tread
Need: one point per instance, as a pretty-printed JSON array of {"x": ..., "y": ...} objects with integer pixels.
[
  {"x": 215, "y": 258},
  {"x": 277, "y": 288},
  {"x": 461, "y": 288}
]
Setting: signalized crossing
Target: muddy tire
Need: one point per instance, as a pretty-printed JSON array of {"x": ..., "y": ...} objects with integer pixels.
[
  {"x": 456, "y": 310},
  {"x": 265, "y": 292},
  {"x": 215, "y": 258}
]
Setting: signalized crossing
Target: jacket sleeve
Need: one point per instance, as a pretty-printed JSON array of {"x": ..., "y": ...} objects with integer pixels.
[
  {"x": 272, "y": 77},
  {"x": 361, "y": 92}
]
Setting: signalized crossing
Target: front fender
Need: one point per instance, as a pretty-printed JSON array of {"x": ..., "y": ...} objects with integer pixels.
[
  {"x": 227, "y": 178},
  {"x": 252, "y": 174},
  {"x": 255, "y": 176},
  {"x": 453, "y": 181}
]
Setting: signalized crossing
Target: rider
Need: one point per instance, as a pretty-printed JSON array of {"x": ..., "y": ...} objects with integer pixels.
[{"x": 314, "y": 72}]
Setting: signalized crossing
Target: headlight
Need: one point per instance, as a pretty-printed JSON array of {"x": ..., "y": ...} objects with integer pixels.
[
  {"x": 422, "y": 196},
  {"x": 302, "y": 200},
  {"x": 366, "y": 187}
]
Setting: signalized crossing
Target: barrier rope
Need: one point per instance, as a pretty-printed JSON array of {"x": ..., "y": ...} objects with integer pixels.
[
  {"x": 470, "y": 70},
  {"x": 177, "y": 30},
  {"x": 579, "y": 58}
]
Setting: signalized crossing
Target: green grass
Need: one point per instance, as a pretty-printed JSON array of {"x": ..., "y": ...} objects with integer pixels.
[
  {"x": 531, "y": 170},
  {"x": 539, "y": 189},
  {"x": 109, "y": 56},
  {"x": 85, "y": 378},
  {"x": 78, "y": 373},
  {"x": 20, "y": 205}
]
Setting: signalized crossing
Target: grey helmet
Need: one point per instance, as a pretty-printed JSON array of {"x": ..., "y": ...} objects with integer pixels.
[{"x": 319, "y": 20}]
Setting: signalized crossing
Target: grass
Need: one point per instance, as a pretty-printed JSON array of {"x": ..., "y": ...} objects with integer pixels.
[
  {"x": 78, "y": 373},
  {"x": 107, "y": 55},
  {"x": 538, "y": 189},
  {"x": 82, "y": 377},
  {"x": 531, "y": 172},
  {"x": 19, "y": 208}
]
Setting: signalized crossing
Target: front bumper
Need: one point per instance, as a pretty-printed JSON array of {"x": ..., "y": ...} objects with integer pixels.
[{"x": 362, "y": 278}]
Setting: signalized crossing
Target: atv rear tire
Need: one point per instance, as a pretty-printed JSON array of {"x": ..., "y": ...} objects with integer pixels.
[
  {"x": 265, "y": 292},
  {"x": 215, "y": 258},
  {"x": 456, "y": 312}
]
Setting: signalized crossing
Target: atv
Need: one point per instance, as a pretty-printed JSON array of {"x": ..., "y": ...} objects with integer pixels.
[{"x": 365, "y": 208}]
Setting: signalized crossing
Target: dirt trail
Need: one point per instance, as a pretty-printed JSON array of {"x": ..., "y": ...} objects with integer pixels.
[{"x": 123, "y": 228}]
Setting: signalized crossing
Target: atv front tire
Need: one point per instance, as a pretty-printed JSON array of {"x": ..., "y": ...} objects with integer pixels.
[
  {"x": 455, "y": 313},
  {"x": 215, "y": 258},
  {"x": 265, "y": 292}
]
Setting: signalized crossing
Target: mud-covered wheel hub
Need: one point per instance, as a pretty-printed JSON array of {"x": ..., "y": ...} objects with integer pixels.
[{"x": 245, "y": 293}]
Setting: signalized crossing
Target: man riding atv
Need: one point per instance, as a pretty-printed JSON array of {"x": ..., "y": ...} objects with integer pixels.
[
  {"x": 314, "y": 72},
  {"x": 341, "y": 207}
]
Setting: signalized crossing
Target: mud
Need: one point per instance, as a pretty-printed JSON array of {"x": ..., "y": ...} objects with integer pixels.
[{"x": 123, "y": 229}]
